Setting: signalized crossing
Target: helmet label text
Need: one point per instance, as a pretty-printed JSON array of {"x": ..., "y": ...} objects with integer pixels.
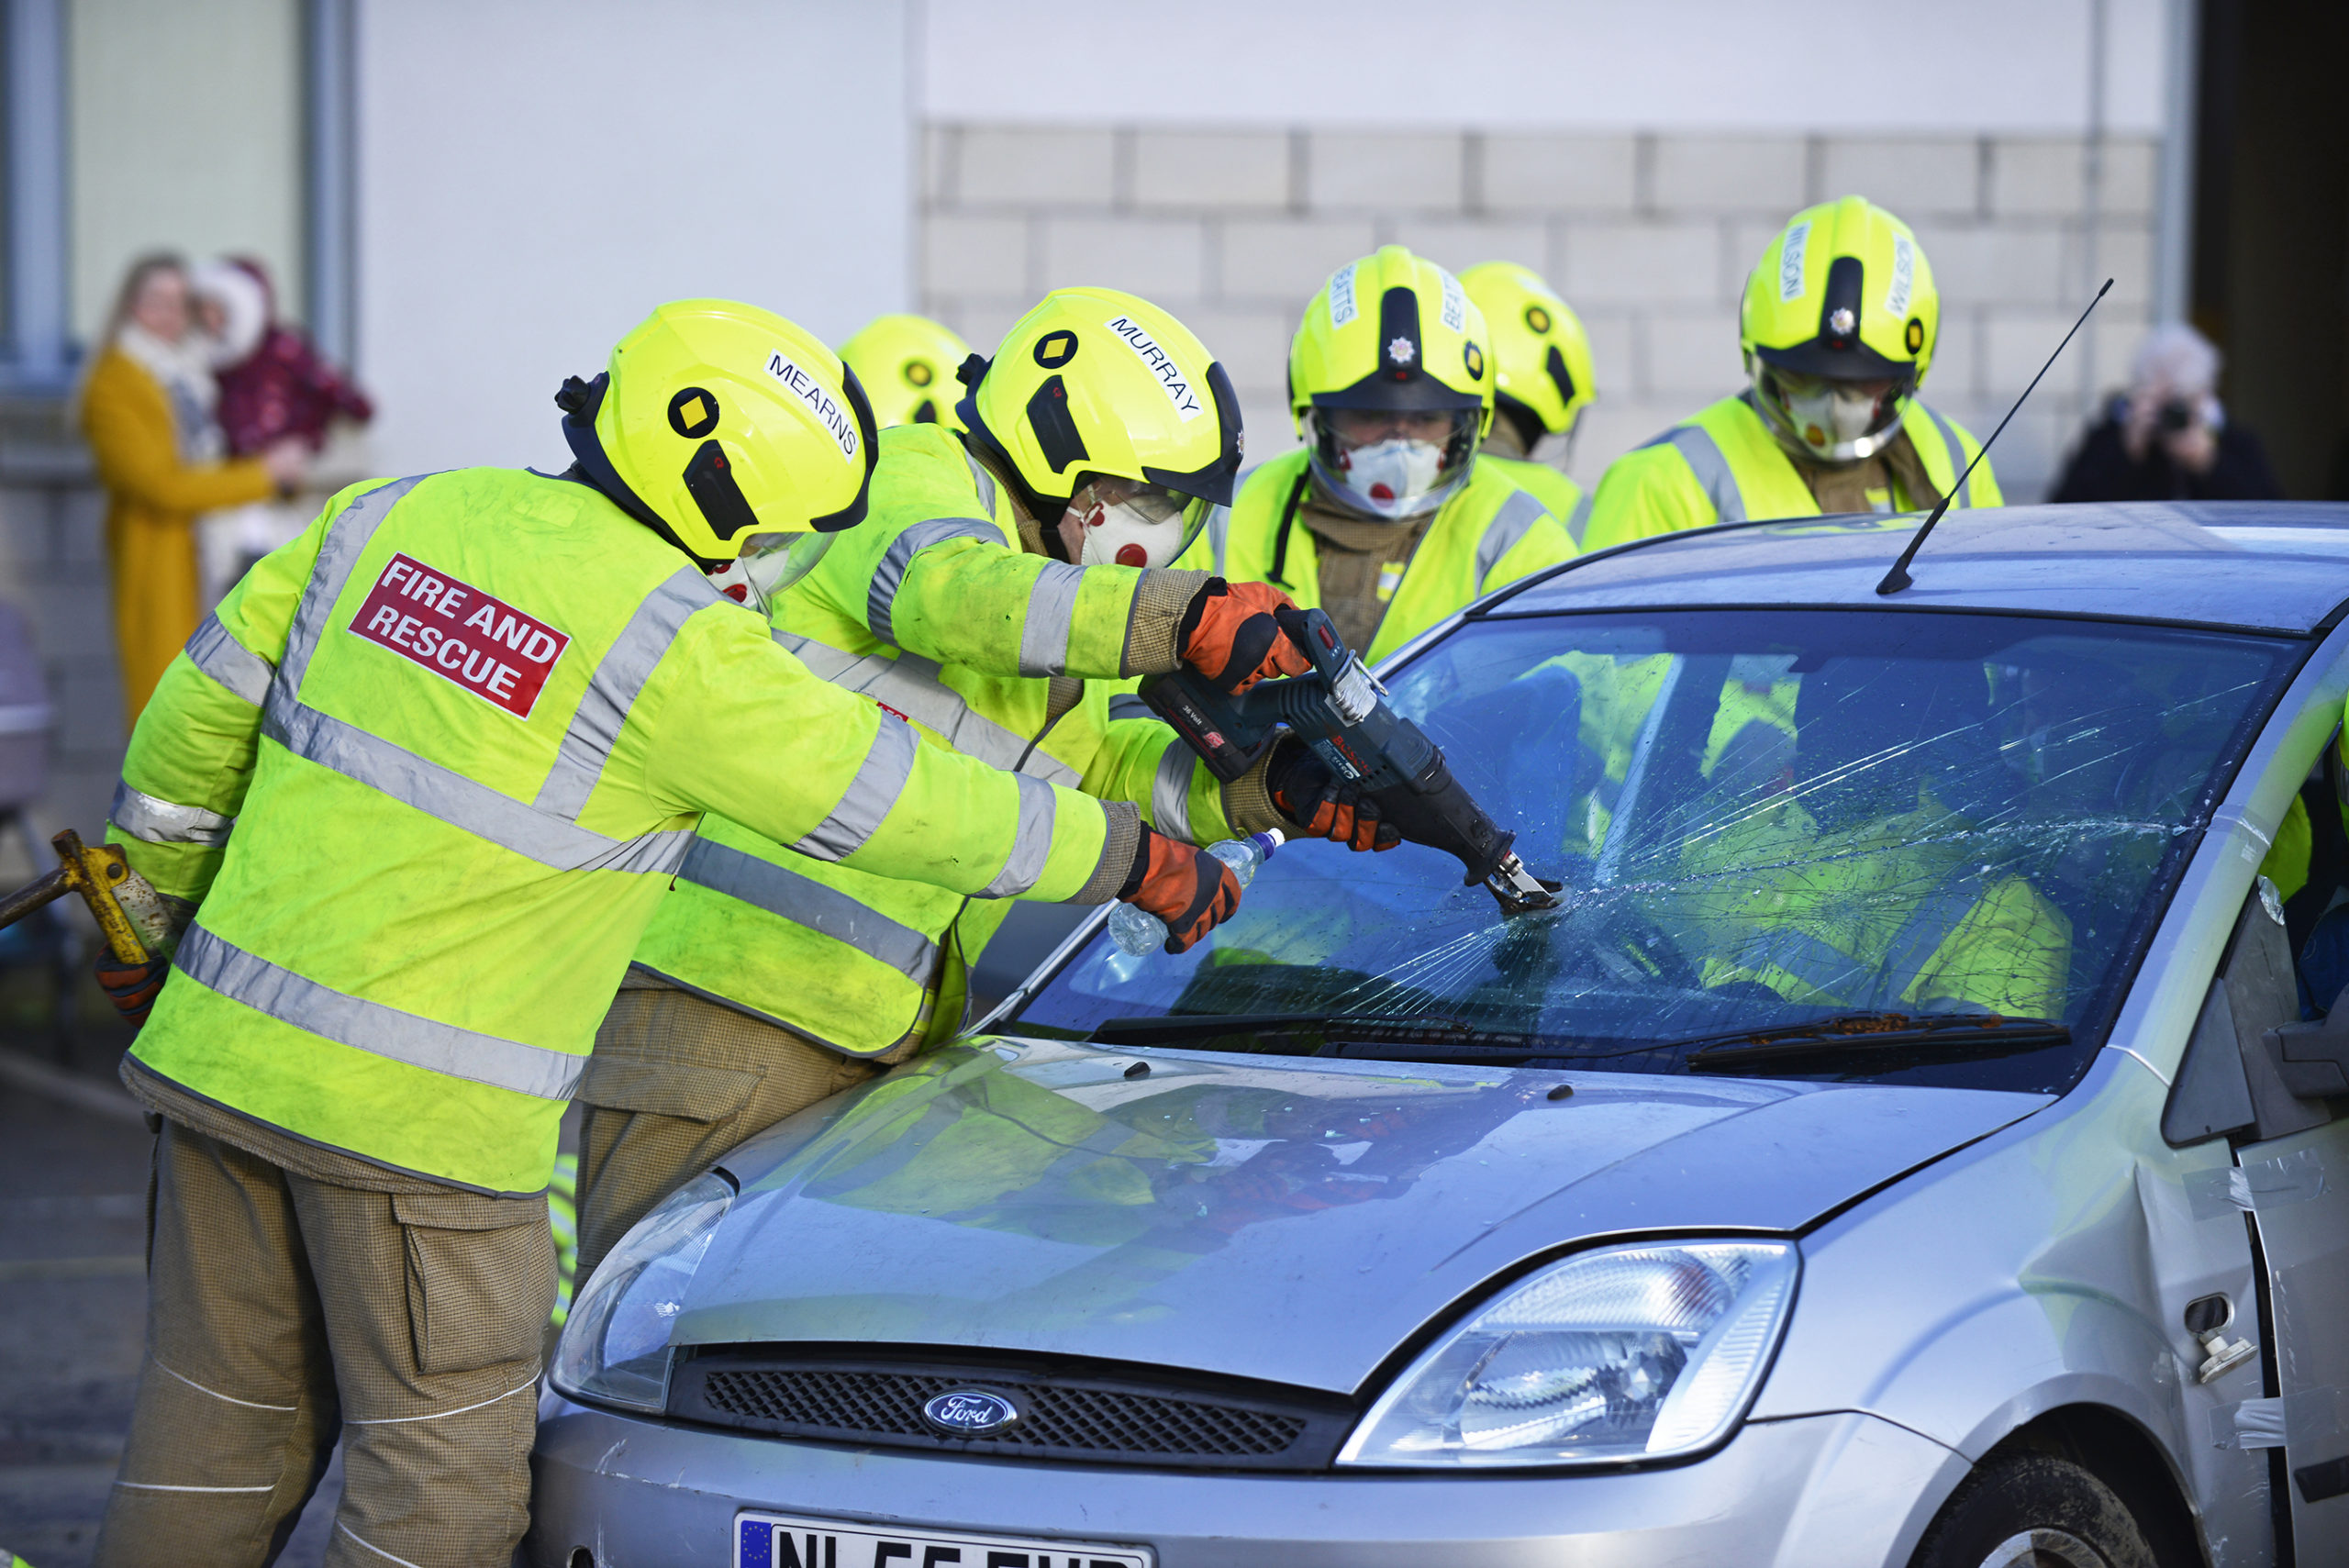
[
  {"x": 1790, "y": 259},
  {"x": 821, "y": 403},
  {"x": 467, "y": 636},
  {"x": 1341, "y": 296},
  {"x": 1904, "y": 276},
  {"x": 1455, "y": 303},
  {"x": 1169, "y": 375}
]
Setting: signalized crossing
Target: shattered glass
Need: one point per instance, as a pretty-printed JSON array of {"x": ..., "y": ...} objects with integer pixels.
[{"x": 1761, "y": 817}]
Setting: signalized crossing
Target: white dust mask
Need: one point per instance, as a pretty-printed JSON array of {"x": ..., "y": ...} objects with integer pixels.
[
  {"x": 1394, "y": 478},
  {"x": 1138, "y": 532}
]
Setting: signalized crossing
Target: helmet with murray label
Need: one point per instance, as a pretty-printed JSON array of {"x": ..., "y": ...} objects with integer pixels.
[
  {"x": 1838, "y": 327},
  {"x": 907, "y": 365},
  {"x": 1099, "y": 404},
  {"x": 1542, "y": 378},
  {"x": 732, "y": 433},
  {"x": 1390, "y": 378}
]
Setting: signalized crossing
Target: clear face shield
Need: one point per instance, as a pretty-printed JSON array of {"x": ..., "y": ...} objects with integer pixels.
[
  {"x": 1392, "y": 463},
  {"x": 1115, "y": 521},
  {"x": 770, "y": 563},
  {"x": 1831, "y": 421}
]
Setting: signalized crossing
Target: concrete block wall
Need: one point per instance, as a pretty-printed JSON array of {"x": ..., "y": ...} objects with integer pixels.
[
  {"x": 53, "y": 571},
  {"x": 1649, "y": 236}
]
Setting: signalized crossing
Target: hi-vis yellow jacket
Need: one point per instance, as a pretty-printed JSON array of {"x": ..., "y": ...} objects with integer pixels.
[
  {"x": 428, "y": 771},
  {"x": 1489, "y": 533},
  {"x": 932, "y": 611},
  {"x": 1722, "y": 466}
]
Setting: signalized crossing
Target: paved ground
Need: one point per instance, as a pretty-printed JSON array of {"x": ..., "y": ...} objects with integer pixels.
[{"x": 73, "y": 1297}]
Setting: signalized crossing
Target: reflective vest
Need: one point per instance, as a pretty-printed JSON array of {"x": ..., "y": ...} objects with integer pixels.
[
  {"x": 464, "y": 726},
  {"x": 1558, "y": 491},
  {"x": 1724, "y": 466},
  {"x": 865, "y": 963},
  {"x": 1490, "y": 532}
]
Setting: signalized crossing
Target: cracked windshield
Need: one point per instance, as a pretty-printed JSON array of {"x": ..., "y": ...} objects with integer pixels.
[{"x": 1761, "y": 819}]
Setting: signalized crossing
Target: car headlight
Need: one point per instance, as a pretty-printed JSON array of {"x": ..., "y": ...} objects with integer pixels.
[
  {"x": 615, "y": 1345},
  {"x": 1641, "y": 1351}
]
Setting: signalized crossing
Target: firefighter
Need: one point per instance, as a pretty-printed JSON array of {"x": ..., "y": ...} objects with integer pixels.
[
  {"x": 1542, "y": 380},
  {"x": 419, "y": 783}
]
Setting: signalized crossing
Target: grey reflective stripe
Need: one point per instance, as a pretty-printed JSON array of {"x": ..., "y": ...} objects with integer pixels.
[
  {"x": 982, "y": 481},
  {"x": 909, "y": 684},
  {"x": 1581, "y": 519},
  {"x": 1921, "y": 934},
  {"x": 1170, "y": 792},
  {"x": 805, "y": 902},
  {"x": 890, "y": 575},
  {"x": 1806, "y": 957},
  {"x": 241, "y": 671},
  {"x": 1052, "y": 615},
  {"x": 1129, "y": 704},
  {"x": 880, "y": 779},
  {"x": 1957, "y": 450},
  {"x": 1219, "y": 534},
  {"x": 613, "y": 689},
  {"x": 338, "y": 552},
  {"x": 1511, "y": 523},
  {"x": 1034, "y": 844},
  {"x": 153, "y": 821},
  {"x": 450, "y": 797},
  {"x": 373, "y": 1028},
  {"x": 1706, "y": 462}
]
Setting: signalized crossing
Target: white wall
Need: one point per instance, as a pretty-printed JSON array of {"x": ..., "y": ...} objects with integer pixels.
[
  {"x": 535, "y": 174},
  {"x": 1979, "y": 67}
]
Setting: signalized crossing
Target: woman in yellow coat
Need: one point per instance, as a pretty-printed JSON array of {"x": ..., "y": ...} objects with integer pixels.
[{"x": 147, "y": 411}]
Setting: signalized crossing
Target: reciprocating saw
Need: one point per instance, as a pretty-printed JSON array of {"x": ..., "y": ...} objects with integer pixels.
[{"x": 1343, "y": 715}]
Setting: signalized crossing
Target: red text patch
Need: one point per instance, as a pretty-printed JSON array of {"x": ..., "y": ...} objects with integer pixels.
[{"x": 456, "y": 630}]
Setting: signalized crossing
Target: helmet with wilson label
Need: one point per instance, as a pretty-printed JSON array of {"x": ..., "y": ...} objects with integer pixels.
[
  {"x": 1838, "y": 327},
  {"x": 1542, "y": 378},
  {"x": 1390, "y": 379},
  {"x": 734, "y": 434},
  {"x": 1100, "y": 405},
  {"x": 907, "y": 366}
]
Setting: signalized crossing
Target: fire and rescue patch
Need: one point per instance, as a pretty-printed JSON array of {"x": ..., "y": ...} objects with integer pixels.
[
  {"x": 468, "y": 638},
  {"x": 1170, "y": 377}
]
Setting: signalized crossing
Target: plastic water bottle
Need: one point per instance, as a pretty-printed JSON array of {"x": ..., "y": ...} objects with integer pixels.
[{"x": 1137, "y": 931}]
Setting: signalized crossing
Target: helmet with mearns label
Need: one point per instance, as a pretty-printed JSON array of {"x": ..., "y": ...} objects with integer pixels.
[
  {"x": 1395, "y": 336},
  {"x": 1838, "y": 326},
  {"x": 1096, "y": 383},
  {"x": 724, "y": 428},
  {"x": 1542, "y": 378},
  {"x": 907, "y": 366}
]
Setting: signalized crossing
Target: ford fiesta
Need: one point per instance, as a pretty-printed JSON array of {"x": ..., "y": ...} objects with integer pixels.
[{"x": 1915, "y": 1140}]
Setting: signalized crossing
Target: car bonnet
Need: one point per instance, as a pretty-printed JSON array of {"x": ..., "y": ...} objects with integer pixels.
[{"x": 1288, "y": 1220}]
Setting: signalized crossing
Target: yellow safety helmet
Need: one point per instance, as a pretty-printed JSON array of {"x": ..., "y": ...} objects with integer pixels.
[
  {"x": 1395, "y": 335},
  {"x": 1837, "y": 328},
  {"x": 732, "y": 433},
  {"x": 906, "y": 364},
  {"x": 1542, "y": 377},
  {"x": 1094, "y": 383}
]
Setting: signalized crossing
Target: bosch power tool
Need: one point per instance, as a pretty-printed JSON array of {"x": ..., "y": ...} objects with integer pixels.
[{"x": 1343, "y": 714}]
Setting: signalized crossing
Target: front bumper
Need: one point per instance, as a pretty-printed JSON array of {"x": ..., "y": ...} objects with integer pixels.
[{"x": 1831, "y": 1489}]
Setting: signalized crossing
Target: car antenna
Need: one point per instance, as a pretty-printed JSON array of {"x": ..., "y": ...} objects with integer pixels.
[{"x": 1898, "y": 578}]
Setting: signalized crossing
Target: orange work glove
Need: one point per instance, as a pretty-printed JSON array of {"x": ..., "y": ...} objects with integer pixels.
[
  {"x": 1190, "y": 890},
  {"x": 132, "y": 987},
  {"x": 1229, "y": 635},
  {"x": 1322, "y": 804}
]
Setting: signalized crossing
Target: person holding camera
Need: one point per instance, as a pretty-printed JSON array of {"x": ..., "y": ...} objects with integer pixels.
[{"x": 2168, "y": 437}]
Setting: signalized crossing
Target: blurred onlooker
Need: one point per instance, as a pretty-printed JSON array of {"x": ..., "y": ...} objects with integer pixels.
[
  {"x": 148, "y": 410},
  {"x": 2168, "y": 438},
  {"x": 274, "y": 384}
]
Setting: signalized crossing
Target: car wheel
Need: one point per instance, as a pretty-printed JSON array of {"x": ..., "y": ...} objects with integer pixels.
[{"x": 2034, "y": 1510}]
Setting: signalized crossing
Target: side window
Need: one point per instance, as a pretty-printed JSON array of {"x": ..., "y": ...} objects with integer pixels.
[{"x": 2253, "y": 1068}]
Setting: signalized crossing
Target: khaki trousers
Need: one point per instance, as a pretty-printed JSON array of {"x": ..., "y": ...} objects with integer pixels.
[
  {"x": 284, "y": 1311},
  {"x": 675, "y": 1082}
]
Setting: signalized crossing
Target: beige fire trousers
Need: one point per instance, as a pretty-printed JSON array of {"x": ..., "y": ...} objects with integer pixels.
[
  {"x": 675, "y": 1082},
  {"x": 284, "y": 1311}
]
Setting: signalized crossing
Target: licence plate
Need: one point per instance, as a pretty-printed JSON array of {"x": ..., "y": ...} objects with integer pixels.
[{"x": 784, "y": 1540}]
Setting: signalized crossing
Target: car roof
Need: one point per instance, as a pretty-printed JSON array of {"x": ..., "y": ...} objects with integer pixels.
[{"x": 2268, "y": 565}]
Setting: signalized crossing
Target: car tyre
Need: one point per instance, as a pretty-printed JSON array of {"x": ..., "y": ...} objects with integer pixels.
[{"x": 2034, "y": 1510}]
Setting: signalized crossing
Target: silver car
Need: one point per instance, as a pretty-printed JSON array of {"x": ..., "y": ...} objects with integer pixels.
[{"x": 1914, "y": 1140}]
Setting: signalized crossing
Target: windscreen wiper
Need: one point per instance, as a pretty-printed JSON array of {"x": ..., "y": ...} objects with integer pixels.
[
  {"x": 1847, "y": 1035},
  {"x": 1415, "y": 1037}
]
